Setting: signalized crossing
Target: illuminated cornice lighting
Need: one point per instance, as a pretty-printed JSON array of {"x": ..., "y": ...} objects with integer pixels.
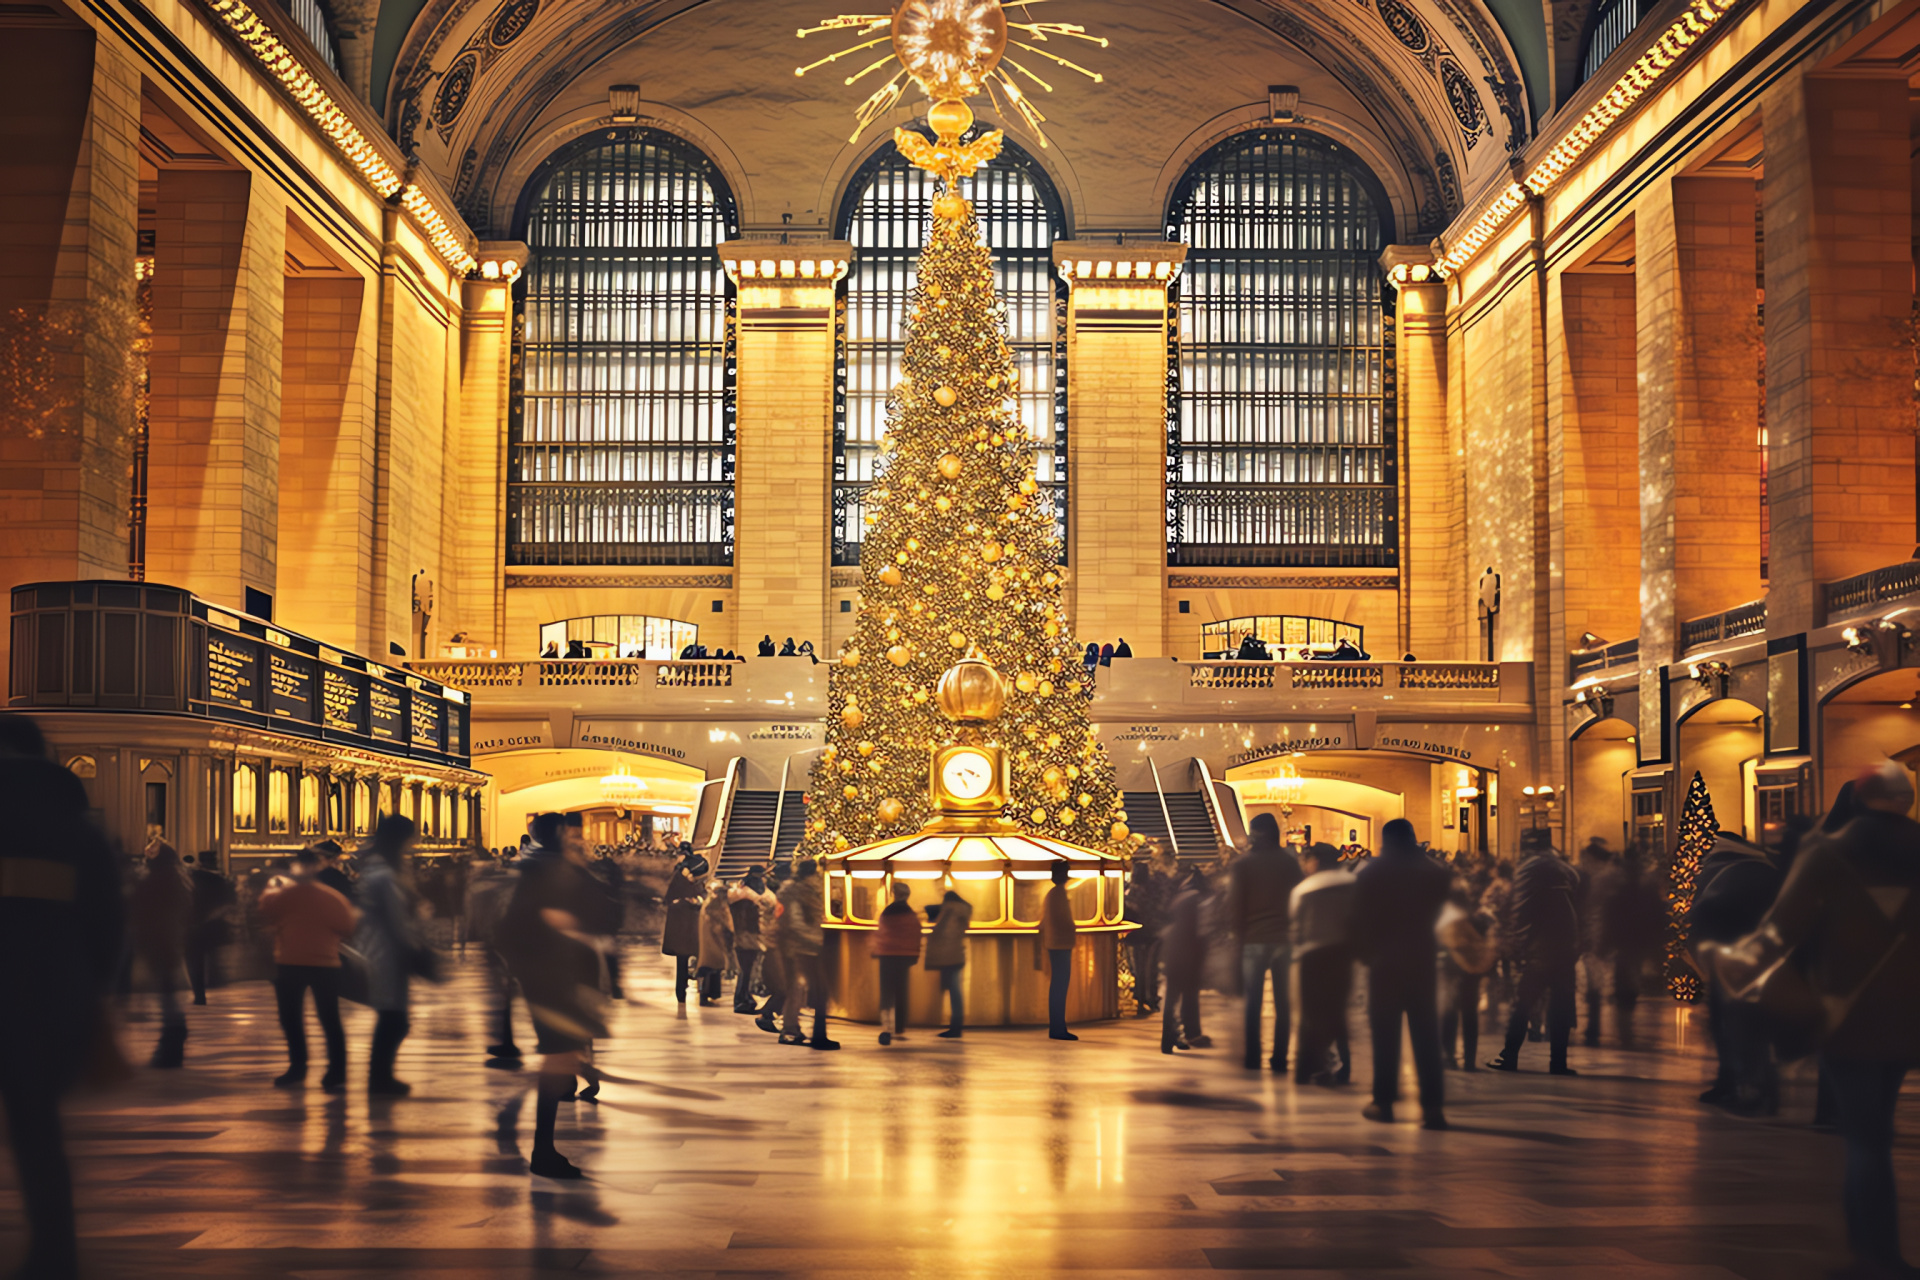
[
  {"x": 1406, "y": 273},
  {"x": 1135, "y": 264},
  {"x": 819, "y": 270},
  {"x": 339, "y": 128},
  {"x": 1686, "y": 30}
]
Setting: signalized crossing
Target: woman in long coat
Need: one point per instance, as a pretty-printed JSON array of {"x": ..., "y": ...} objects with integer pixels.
[
  {"x": 716, "y": 943},
  {"x": 161, "y": 915},
  {"x": 389, "y": 938},
  {"x": 681, "y": 936}
]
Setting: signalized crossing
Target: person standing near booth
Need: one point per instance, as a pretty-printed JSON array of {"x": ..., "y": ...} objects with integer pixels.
[{"x": 1056, "y": 939}]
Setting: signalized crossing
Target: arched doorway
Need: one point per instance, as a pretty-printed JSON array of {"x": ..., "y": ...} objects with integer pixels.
[
  {"x": 1350, "y": 795},
  {"x": 1865, "y": 725},
  {"x": 1600, "y": 762},
  {"x": 618, "y": 794},
  {"x": 1721, "y": 740}
]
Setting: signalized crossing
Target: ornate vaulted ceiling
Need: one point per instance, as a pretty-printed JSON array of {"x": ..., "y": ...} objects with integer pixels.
[{"x": 1431, "y": 93}]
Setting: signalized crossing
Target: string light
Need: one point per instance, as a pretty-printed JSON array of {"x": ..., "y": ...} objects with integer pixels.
[
  {"x": 1686, "y": 30},
  {"x": 339, "y": 128}
]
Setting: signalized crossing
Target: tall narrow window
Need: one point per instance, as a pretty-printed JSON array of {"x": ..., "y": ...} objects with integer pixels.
[
  {"x": 1281, "y": 432},
  {"x": 885, "y": 217},
  {"x": 620, "y": 442}
]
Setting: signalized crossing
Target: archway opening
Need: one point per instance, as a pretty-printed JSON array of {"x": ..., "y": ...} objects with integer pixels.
[
  {"x": 620, "y": 796},
  {"x": 1601, "y": 761},
  {"x": 1865, "y": 725},
  {"x": 1346, "y": 797},
  {"x": 1721, "y": 741}
]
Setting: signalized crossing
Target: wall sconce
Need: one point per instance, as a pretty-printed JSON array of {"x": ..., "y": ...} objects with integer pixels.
[
  {"x": 1857, "y": 640},
  {"x": 623, "y": 102},
  {"x": 1711, "y": 676},
  {"x": 1596, "y": 700}
]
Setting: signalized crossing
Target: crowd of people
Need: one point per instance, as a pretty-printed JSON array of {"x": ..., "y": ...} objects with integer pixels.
[{"x": 1448, "y": 944}]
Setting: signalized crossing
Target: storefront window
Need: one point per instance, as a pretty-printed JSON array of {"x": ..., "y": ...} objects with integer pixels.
[
  {"x": 246, "y": 798},
  {"x": 336, "y": 807},
  {"x": 362, "y": 806},
  {"x": 1278, "y": 632},
  {"x": 624, "y": 635},
  {"x": 279, "y": 801},
  {"x": 309, "y": 804}
]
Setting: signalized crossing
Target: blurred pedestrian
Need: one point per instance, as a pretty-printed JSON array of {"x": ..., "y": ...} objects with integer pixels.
[
  {"x": 162, "y": 914},
  {"x": 332, "y": 874},
  {"x": 1262, "y": 884},
  {"x": 213, "y": 898},
  {"x": 1596, "y": 866},
  {"x": 1547, "y": 898},
  {"x": 896, "y": 945},
  {"x": 952, "y": 916},
  {"x": 1632, "y": 922},
  {"x": 745, "y": 903},
  {"x": 547, "y": 933},
  {"x": 1148, "y": 890},
  {"x": 803, "y": 912},
  {"x": 1733, "y": 892},
  {"x": 1183, "y": 957},
  {"x": 309, "y": 921},
  {"x": 62, "y": 925},
  {"x": 389, "y": 938},
  {"x": 680, "y": 937},
  {"x": 489, "y": 890},
  {"x": 1057, "y": 932},
  {"x": 1396, "y": 902},
  {"x": 1461, "y": 968},
  {"x": 1496, "y": 901},
  {"x": 1322, "y": 916},
  {"x": 716, "y": 943}
]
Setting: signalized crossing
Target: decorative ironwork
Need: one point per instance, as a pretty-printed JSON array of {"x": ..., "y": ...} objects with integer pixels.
[
  {"x": 1281, "y": 434},
  {"x": 1585, "y": 663},
  {"x": 1612, "y": 23},
  {"x": 884, "y": 216},
  {"x": 1895, "y": 582},
  {"x": 1741, "y": 620},
  {"x": 621, "y": 434},
  {"x": 1405, "y": 25}
]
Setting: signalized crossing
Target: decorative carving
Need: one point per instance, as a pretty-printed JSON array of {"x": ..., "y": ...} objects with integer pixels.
[
  {"x": 1334, "y": 581},
  {"x": 1405, "y": 25},
  {"x": 455, "y": 90},
  {"x": 511, "y": 22},
  {"x": 720, "y": 581},
  {"x": 1462, "y": 97}
]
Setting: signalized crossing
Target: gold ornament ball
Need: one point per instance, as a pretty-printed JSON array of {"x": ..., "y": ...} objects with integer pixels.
[
  {"x": 850, "y": 791},
  {"x": 891, "y": 575},
  {"x": 839, "y": 844},
  {"x": 958, "y": 639},
  {"x": 1119, "y": 831},
  {"x": 853, "y": 717},
  {"x": 1053, "y": 775},
  {"x": 950, "y": 466},
  {"x": 1066, "y": 816},
  {"x": 1085, "y": 800},
  {"x": 991, "y": 551},
  {"x": 851, "y": 658},
  {"x": 971, "y": 690},
  {"x": 1028, "y": 485},
  {"x": 1039, "y": 815},
  {"x": 1026, "y": 682},
  {"x": 950, "y": 118},
  {"x": 952, "y": 208},
  {"x": 1046, "y": 688},
  {"x": 899, "y": 655},
  {"x": 945, "y": 396},
  {"x": 996, "y": 592},
  {"x": 865, "y": 748},
  {"x": 890, "y": 810}
]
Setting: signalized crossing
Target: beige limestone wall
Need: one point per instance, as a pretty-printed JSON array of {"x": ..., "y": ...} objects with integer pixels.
[
  {"x": 1593, "y": 433},
  {"x": 418, "y": 353},
  {"x": 1839, "y": 283},
  {"x": 478, "y": 516},
  {"x": 214, "y": 447},
  {"x": 783, "y": 459},
  {"x": 69, "y": 201},
  {"x": 1432, "y": 484},
  {"x": 1117, "y": 450}
]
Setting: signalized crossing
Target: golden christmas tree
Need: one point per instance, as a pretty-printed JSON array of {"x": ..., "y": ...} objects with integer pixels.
[{"x": 960, "y": 557}]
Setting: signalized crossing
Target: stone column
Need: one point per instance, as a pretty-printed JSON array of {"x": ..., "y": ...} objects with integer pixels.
[
  {"x": 214, "y": 421},
  {"x": 1839, "y": 280},
  {"x": 69, "y": 212},
  {"x": 1117, "y": 439},
  {"x": 1698, "y": 359},
  {"x": 1433, "y": 500},
  {"x": 486, "y": 349},
  {"x": 783, "y": 436},
  {"x": 1594, "y": 455}
]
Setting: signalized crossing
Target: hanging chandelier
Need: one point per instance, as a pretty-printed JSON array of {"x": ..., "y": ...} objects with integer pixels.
[
  {"x": 621, "y": 786},
  {"x": 1285, "y": 788}
]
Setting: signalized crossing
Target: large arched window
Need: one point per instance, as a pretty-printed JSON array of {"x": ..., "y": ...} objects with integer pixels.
[
  {"x": 884, "y": 216},
  {"x": 1281, "y": 433},
  {"x": 620, "y": 443}
]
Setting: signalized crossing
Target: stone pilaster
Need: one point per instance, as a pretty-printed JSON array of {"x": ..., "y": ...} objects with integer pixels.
[
  {"x": 1433, "y": 607},
  {"x": 1594, "y": 449},
  {"x": 479, "y": 548},
  {"x": 214, "y": 423},
  {"x": 1117, "y": 442},
  {"x": 783, "y": 436},
  {"x": 1839, "y": 282}
]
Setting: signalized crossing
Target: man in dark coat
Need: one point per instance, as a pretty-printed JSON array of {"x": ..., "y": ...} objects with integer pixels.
[
  {"x": 1548, "y": 894},
  {"x": 1396, "y": 903},
  {"x": 543, "y": 936},
  {"x": 60, "y": 929},
  {"x": 1736, "y": 885},
  {"x": 680, "y": 938},
  {"x": 1261, "y": 888},
  {"x": 213, "y": 896}
]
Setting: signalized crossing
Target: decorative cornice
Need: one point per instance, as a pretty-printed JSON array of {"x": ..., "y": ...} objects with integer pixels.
[
  {"x": 1082, "y": 262},
  {"x": 810, "y": 262},
  {"x": 1364, "y": 582},
  {"x": 1686, "y": 30},
  {"x": 722, "y": 581}
]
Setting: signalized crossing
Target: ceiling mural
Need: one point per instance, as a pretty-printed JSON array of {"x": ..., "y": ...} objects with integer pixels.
[{"x": 1428, "y": 90}]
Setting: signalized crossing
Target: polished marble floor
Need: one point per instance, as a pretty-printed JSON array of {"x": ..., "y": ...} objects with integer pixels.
[{"x": 715, "y": 1151}]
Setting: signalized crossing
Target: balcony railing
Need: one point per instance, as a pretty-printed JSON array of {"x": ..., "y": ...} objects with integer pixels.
[
  {"x": 1586, "y": 662},
  {"x": 1894, "y": 582},
  {"x": 578, "y": 673},
  {"x": 1741, "y": 620}
]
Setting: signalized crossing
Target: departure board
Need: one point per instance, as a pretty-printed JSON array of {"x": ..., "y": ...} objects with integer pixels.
[
  {"x": 290, "y": 679},
  {"x": 233, "y": 671},
  {"x": 343, "y": 700},
  {"x": 428, "y": 715},
  {"x": 387, "y": 721}
]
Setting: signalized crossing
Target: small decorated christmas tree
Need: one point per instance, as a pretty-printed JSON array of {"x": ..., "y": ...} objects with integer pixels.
[
  {"x": 960, "y": 556},
  {"x": 1697, "y": 828}
]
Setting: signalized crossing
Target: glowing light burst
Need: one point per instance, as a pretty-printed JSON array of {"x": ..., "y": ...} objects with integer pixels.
[{"x": 954, "y": 50}]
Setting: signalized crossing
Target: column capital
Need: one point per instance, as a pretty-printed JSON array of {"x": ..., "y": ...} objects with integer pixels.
[
  {"x": 811, "y": 261},
  {"x": 1407, "y": 264},
  {"x": 1083, "y": 262},
  {"x": 501, "y": 260}
]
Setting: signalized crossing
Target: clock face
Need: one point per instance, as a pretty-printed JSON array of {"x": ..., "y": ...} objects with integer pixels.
[{"x": 967, "y": 775}]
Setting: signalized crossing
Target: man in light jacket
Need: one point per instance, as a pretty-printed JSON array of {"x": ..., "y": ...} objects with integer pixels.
[{"x": 1322, "y": 909}]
